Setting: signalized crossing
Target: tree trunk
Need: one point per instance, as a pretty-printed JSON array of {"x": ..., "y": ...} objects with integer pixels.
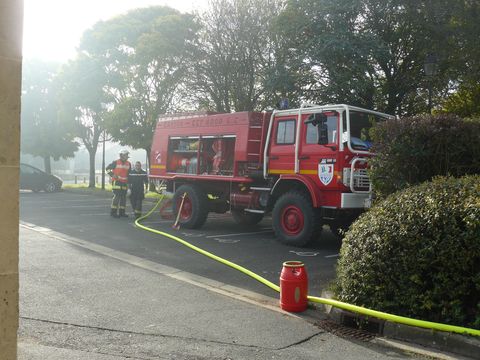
[
  {"x": 147, "y": 160},
  {"x": 103, "y": 162},
  {"x": 91, "y": 183},
  {"x": 47, "y": 164}
]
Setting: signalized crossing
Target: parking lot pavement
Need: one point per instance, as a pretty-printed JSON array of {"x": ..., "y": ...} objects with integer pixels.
[
  {"x": 81, "y": 304},
  {"x": 83, "y": 220},
  {"x": 255, "y": 248}
]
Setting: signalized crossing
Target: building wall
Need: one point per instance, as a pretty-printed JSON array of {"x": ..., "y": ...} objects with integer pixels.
[{"x": 11, "y": 25}]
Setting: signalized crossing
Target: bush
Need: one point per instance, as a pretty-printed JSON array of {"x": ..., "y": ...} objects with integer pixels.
[
  {"x": 417, "y": 254},
  {"x": 413, "y": 150}
]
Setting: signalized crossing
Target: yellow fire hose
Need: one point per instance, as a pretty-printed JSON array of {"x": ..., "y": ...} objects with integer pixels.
[{"x": 335, "y": 303}]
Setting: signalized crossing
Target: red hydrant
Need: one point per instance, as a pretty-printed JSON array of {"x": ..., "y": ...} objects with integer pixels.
[{"x": 293, "y": 287}]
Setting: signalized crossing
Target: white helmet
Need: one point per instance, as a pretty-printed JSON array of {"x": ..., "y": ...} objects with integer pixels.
[{"x": 124, "y": 152}]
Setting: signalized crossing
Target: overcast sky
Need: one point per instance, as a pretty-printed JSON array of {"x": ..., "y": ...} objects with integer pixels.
[{"x": 53, "y": 28}]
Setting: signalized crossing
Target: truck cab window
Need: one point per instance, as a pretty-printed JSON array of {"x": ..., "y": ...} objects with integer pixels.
[
  {"x": 360, "y": 129},
  {"x": 286, "y": 132},
  {"x": 311, "y": 133}
]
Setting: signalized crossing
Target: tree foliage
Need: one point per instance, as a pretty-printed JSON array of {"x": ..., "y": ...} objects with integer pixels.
[
  {"x": 43, "y": 134},
  {"x": 143, "y": 55},
  {"x": 371, "y": 52},
  {"x": 465, "y": 102},
  {"x": 84, "y": 103},
  {"x": 413, "y": 150},
  {"x": 238, "y": 61}
]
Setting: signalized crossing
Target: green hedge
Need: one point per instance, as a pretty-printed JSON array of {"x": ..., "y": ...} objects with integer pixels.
[
  {"x": 417, "y": 254},
  {"x": 412, "y": 150}
]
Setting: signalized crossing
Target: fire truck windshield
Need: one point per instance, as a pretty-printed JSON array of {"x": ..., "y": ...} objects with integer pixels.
[{"x": 360, "y": 129}]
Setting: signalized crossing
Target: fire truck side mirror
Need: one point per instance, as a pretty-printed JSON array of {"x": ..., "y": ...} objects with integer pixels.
[
  {"x": 315, "y": 119},
  {"x": 322, "y": 134},
  {"x": 320, "y": 121}
]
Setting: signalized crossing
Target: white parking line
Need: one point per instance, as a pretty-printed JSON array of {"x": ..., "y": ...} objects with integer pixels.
[
  {"x": 241, "y": 234},
  {"x": 332, "y": 256},
  {"x": 74, "y": 206},
  {"x": 304, "y": 253},
  {"x": 226, "y": 241},
  {"x": 94, "y": 214}
]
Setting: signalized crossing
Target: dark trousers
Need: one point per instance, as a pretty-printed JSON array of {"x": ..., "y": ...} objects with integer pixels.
[{"x": 136, "y": 201}]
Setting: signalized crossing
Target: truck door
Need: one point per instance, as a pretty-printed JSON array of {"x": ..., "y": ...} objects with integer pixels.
[
  {"x": 282, "y": 149},
  {"x": 319, "y": 161}
]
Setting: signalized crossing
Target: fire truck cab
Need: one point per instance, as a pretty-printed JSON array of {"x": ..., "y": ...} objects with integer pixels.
[{"x": 306, "y": 167}]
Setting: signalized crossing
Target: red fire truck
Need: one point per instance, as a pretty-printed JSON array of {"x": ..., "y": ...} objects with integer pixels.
[{"x": 305, "y": 166}]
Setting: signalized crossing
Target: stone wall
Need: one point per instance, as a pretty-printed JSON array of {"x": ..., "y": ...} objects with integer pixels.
[{"x": 11, "y": 27}]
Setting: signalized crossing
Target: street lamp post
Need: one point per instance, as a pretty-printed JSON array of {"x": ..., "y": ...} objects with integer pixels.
[
  {"x": 430, "y": 68},
  {"x": 103, "y": 160}
]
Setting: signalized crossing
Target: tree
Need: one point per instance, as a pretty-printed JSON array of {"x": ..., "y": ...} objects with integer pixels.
[
  {"x": 465, "y": 29},
  {"x": 465, "y": 102},
  {"x": 371, "y": 52},
  {"x": 42, "y": 133},
  {"x": 238, "y": 66},
  {"x": 142, "y": 55},
  {"x": 464, "y": 60},
  {"x": 84, "y": 104}
]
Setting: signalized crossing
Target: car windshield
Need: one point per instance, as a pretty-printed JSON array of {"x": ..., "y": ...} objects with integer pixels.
[{"x": 361, "y": 125}]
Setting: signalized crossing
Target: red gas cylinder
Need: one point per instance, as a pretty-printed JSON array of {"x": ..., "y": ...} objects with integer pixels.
[{"x": 293, "y": 287}]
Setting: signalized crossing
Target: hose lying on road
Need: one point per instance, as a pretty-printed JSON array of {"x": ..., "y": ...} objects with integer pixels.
[{"x": 335, "y": 303}]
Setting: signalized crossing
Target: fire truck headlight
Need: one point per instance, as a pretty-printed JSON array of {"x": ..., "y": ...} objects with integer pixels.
[{"x": 263, "y": 199}]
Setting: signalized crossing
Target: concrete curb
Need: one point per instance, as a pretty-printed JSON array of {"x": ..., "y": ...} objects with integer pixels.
[{"x": 464, "y": 345}]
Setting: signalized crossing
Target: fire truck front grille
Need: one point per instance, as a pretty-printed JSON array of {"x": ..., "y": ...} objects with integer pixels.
[{"x": 360, "y": 179}]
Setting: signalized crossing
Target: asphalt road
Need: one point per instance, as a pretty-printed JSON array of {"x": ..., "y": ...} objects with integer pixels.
[{"x": 88, "y": 217}]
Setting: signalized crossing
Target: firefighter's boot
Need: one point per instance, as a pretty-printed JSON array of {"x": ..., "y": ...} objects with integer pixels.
[
  {"x": 122, "y": 213},
  {"x": 113, "y": 213}
]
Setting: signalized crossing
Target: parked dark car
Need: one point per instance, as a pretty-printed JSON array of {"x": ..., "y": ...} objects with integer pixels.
[{"x": 35, "y": 179}]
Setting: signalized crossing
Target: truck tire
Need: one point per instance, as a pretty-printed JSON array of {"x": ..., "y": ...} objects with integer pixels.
[
  {"x": 246, "y": 218},
  {"x": 295, "y": 221},
  {"x": 195, "y": 208}
]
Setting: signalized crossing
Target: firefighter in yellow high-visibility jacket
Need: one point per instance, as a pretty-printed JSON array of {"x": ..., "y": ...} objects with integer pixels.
[{"x": 118, "y": 171}]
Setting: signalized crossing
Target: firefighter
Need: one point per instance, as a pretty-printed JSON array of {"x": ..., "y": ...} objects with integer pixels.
[
  {"x": 137, "y": 182},
  {"x": 118, "y": 171}
]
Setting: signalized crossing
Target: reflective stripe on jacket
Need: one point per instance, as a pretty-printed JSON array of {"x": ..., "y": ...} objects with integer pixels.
[{"x": 137, "y": 181}]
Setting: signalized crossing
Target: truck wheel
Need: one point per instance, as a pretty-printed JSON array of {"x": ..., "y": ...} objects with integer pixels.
[
  {"x": 295, "y": 221},
  {"x": 246, "y": 218},
  {"x": 194, "y": 211}
]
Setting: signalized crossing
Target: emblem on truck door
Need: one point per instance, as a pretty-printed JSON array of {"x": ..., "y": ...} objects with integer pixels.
[{"x": 325, "y": 172}]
